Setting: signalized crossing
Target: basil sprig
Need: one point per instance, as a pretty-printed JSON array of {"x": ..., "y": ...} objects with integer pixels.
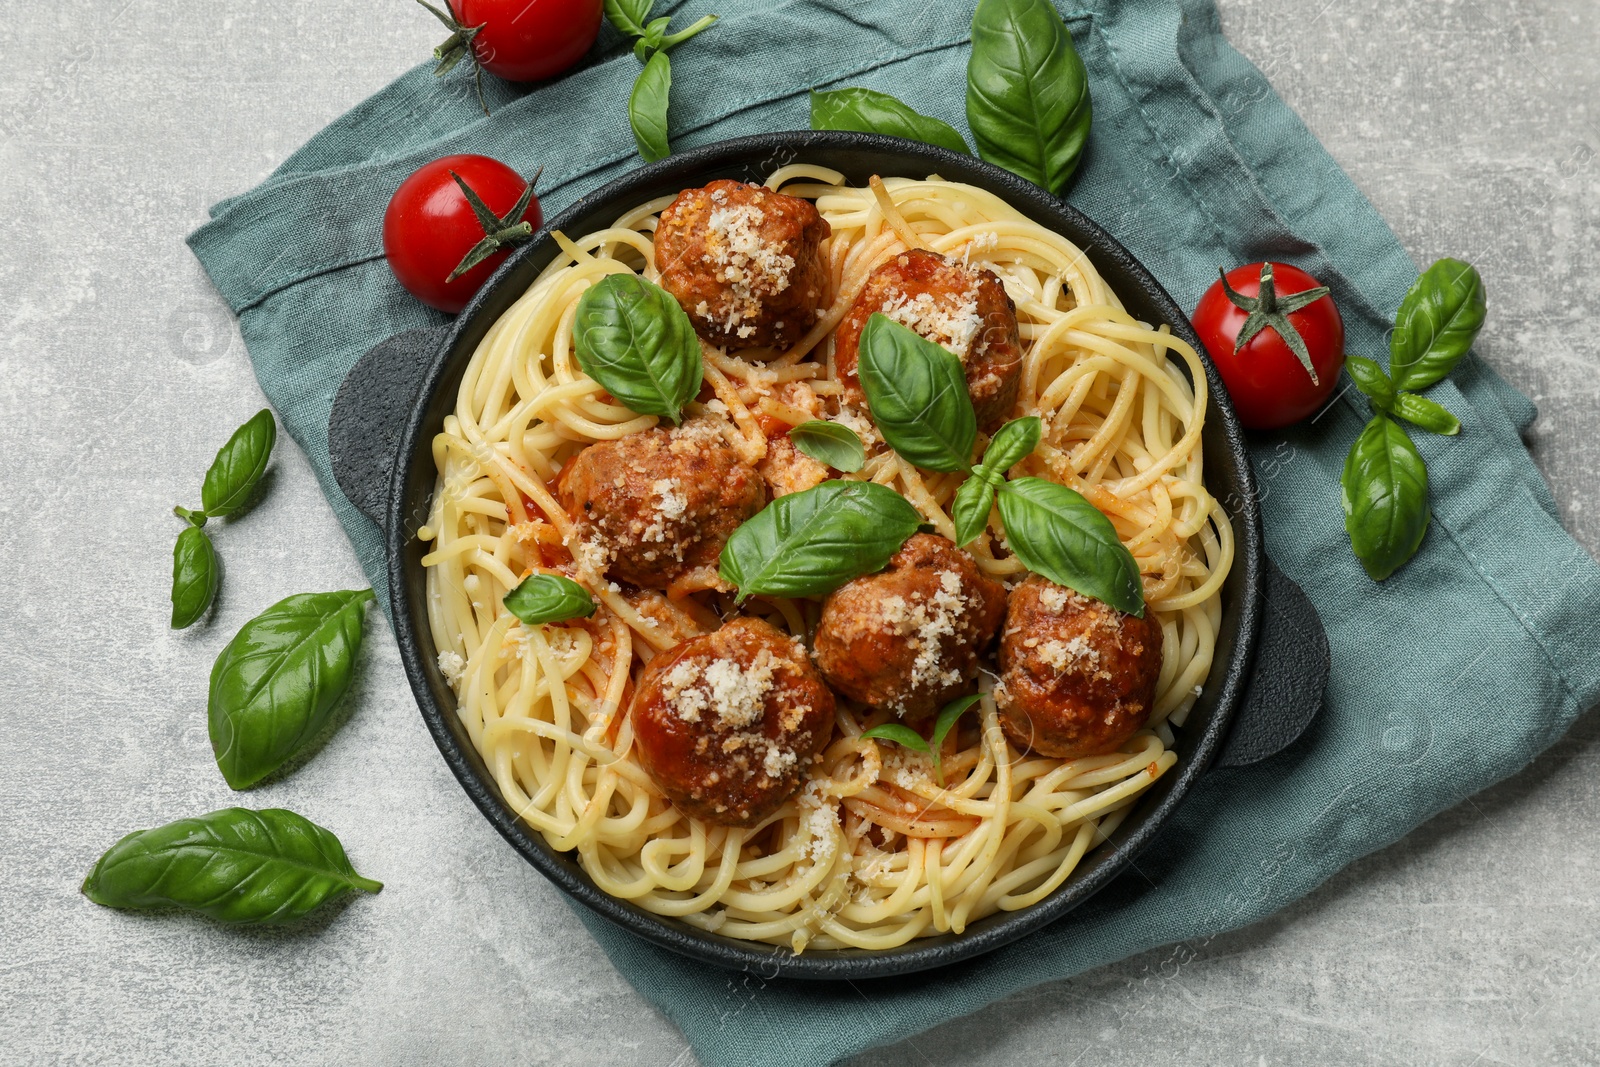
[
  {"x": 975, "y": 496},
  {"x": 869, "y": 111},
  {"x": 1384, "y": 486},
  {"x": 274, "y": 687},
  {"x": 647, "y": 103},
  {"x": 828, "y": 442},
  {"x": 549, "y": 598},
  {"x": 194, "y": 576},
  {"x": 234, "y": 865},
  {"x": 917, "y": 392},
  {"x": 1027, "y": 91},
  {"x": 634, "y": 339},
  {"x": 810, "y": 543},
  {"x": 1384, "y": 490},
  {"x": 229, "y": 486},
  {"x": 906, "y": 737}
]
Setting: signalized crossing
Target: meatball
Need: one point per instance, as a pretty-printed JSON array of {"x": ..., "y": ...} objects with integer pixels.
[
  {"x": 727, "y": 723},
  {"x": 1077, "y": 677},
  {"x": 653, "y": 506},
  {"x": 907, "y": 639},
  {"x": 743, "y": 262},
  {"x": 966, "y": 310}
]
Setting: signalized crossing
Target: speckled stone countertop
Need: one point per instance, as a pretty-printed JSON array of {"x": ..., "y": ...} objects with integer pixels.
[{"x": 1473, "y": 128}]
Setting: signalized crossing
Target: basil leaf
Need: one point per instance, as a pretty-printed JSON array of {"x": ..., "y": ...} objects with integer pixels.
[
  {"x": 549, "y": 598},
  {"x": 634, "y": 340},
  {"x": 194, "y": 576},
  {"x": 828, "y": 442},
  {"x": 1371, "y": 380},
  {"x": 1027, "y": 91},
  {"x": 647, "y": 108},
  {"x": 904, "y": 736},
  {"x": 917, "y": 393},
  {"x": 274, "y": 688},
  {"x": 1420, "y": 411},
  {"x": 629, "y": 16},
  {"x": 974, "y": 500},
  {"x": 235, "y": 865},
  {"x": 811, "y": 542},
  {"x": 1057, "y": 533},
  {"x": 239, "y": 465},
  {"x": 943, "y": 725},
  {"x": 1012, "y": 443},
  {"x": 866, "y": 111},
  {"x": 1384, "y": 491},
  {"x": 1438, "y": 320}
]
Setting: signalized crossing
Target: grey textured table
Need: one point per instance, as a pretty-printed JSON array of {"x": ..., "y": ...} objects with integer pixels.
[{"x": 1472, "y": 126}]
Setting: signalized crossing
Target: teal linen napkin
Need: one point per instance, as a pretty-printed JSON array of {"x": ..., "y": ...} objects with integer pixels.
[{"x": 1448, "y": 677}]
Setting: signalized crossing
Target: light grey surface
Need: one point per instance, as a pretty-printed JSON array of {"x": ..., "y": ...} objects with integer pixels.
[{"x": 1470, "y": 125}]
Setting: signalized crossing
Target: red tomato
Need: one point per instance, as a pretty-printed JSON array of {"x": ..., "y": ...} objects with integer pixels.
[
  {"x": 529, "y": 40},
  {"x": 429, "y": 227},
  {"x": 1269, "y": 384}
]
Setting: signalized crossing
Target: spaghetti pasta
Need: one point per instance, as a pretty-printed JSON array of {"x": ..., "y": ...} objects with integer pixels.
[{"x": 874, "y": 850}]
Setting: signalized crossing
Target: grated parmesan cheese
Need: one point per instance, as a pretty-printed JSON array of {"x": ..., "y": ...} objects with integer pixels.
[
  {"x": 750, "y": 267},
  {"x": 953, "y": 326},
  {"x": 736, "y": 695},
  {"x": 453, "y": 667},
  {"x": 927, "y": 622}
]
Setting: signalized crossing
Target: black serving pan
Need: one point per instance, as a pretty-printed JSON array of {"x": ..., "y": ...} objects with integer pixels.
[{"x": 1272, "y": 656}]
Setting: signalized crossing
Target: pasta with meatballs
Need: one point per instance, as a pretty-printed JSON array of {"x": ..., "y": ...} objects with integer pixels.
[{"x": 723, "y": 755}]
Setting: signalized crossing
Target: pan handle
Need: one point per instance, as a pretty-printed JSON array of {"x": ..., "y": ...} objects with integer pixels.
[
  {"x": 1287, "y": 676},
  {"x": 371, "y": 409}
]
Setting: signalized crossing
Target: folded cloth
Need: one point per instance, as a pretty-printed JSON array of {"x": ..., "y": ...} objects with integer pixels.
[{"x": 1448, "y": 677}]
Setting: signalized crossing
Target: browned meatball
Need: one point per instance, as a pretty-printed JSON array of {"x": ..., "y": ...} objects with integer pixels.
[
  {"x": 907, "y": 639},
  {"x": 964, "y": 309},
  {"x": 727, "y": 723},
  {"x": 1077, "y": 677},
  {"x": 653, "y": 506},
  {"x": 743, "y": 262}
]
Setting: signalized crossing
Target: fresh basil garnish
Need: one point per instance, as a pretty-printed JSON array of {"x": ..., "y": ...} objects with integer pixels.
[
  {"x": 194, "y": 576},
  {"x": 1012, "y": 443},
  {"x": 1371, "y": 380},
  {"x": 1420, "y": 411},
  {"x": 1438, "y": 320},
  {"x": 235, "y": 865},
  {"x": 906, "y": 737},
  {"x": 830, "y": 443},
  {"x": 634, "y": 339},
  {"x": 549, "y": 598},
  {"x": 917, "y": 393},
  {"x": 810, "y": 543},
  {"x": 1384, "y": 491},
  {"x": 900, "y": 734},
  {"x": 237, "y": 470},
  {"x": 868, "y": 111},
  {"x": 1027, "y": 91},
  {"x": 974, "y": 500},
  {"x": 274, "y": 688},
  {"x": 1057, "y": 533},
  {"x": 647, "y": 108},
  {"x": 975, "y": 496}
]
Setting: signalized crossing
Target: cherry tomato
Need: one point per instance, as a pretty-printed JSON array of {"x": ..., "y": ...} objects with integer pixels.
[
  {"x": 430, "y": 228},
  {"x": 529, "y": 40},
  {"x": 1280, "y": 305}
]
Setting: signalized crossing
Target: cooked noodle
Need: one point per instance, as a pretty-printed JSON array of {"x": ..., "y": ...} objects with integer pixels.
[{"x": 872, "y": 852}]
